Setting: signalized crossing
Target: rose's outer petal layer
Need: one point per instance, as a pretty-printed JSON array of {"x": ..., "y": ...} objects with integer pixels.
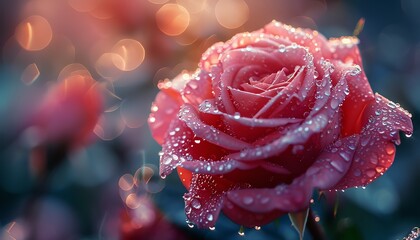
[
  {"x": 325, "y": 173},
  {"x": 345, "y": 49},
  {"x": 359, "y": 96},
  {"x": 204, "y": 200},
  {"x": 248, "y": 218},
  {"x": 189, "y": 115},
  {"x": 185, "y": 88},
  {"x": 164, "y": 109},
  {"x": 197, "y": 89},
  {"x": 315, "y": 42},
  {"x": 375, "y": 152}
]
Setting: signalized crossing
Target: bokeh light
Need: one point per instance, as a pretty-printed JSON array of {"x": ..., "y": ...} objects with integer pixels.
[
  {"x": 34, "y": 33},
  {"x": 172, "y": 19},
  {"x": 232, "y": 13},
  {"x": 30, "y": 74},
  {"x": 128, "y": 54},
  {"x": 83, "y": 5}
]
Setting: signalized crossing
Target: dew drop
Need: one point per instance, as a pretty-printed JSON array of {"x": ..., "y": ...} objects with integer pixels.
[
  {"x": 210, "y": 217},
  {"x": 374, "y": 160},
  {"x": 380, "y": 169},
  {"x": 370, "y": 173},
  {"x": 247, "y": 200},
  {"x": 237, "y": 115},
  {"x": 167, "y": 160},
  {"x": 337, "y": 165},
  {"x": 241, "y": 231},
  {"x": 390, "y": 149},
  {"x": 196, "y": 204},
  {"x": 212, "y": 228},
  {"x": 357, "y": 173},
  {"x": 264, "y": 200},
  {"x": 188, "y": 209},
  {"x": 345, "y": 156},
  {"x": 409, "y": 135},
  {"x": 190, "y": 225},
  {"x": 365, "y": 140},
  {"x": 347, "y": 91},
  {"x": 257, "y": 228},
  {"x": 193, "y": 84},
  {"x": 334, "y": 103}
]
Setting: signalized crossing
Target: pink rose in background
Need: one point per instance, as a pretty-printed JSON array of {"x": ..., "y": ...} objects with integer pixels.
[
  {"x": 69, "y": 112},
  {"x": 268, "y": 117}
]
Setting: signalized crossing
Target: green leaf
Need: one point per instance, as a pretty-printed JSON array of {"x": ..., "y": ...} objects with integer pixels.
[{"x": 298, "y": 220}]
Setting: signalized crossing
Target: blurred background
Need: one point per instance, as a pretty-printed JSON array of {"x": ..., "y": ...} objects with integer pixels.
[{"x": 60, "y": 180}]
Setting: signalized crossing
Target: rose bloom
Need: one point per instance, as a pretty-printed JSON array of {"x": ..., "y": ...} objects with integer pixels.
[
  {"x": 268, "y": 117},
  {"x": 68, "y": 113}
]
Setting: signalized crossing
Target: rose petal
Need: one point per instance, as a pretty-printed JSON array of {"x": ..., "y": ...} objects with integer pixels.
[
  {"x": 375, "y": 153},
  {"x": 299, "y": 86},
  {"x": 164, "y": 108},
  {"x": 181, "y": 144},
  {"x": 325, "y": 173},
  {"x": 345, "y": 49},
  {"x": 208, "y": 107},
  {"x": 359, "y": 96},
  {"x": 315, "y": 42},
  {"x": 188, "y": 114},
  {"x": 247, "y": 103},
  {"x": 198, "y": 89},
  {"x": 204, "y": 200},
  {"x": 255, "y": 39},
  {"x": 247, "y": 217},
  {"x": 316, "y": 122}
]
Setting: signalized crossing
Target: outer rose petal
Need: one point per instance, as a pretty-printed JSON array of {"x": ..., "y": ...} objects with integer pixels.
[
  {"x": 360, "y": 95},
  {"x": 345, "y": 49},
  {"x": 375, "y": 152},
  {"x": 164, "y": 108},
  {"x": 326, "y": 172},
  {"x": 316, "y": 43},
  {"x": 204, "y": 200}
]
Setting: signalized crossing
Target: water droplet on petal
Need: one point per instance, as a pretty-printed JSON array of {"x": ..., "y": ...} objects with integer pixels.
[
  {"x": 237, "y": 115},
  {"x": 167, "y": 160},
  {"x": 212, "y": 228},
  {"x": 370, "y": 173},
  {"x": 210, "y": 217},
  {"x": 334, "y": 103},
  {"x": 257, "y": 228},
  {"x": 337, "y": 165},
  {"x": 390, "y": 148},
  {"x": 188, "y": 209},
  {"x": 248, "y": 200},
  {"x": 196, "y": 204},
  {"x": 345, "y": 156}
]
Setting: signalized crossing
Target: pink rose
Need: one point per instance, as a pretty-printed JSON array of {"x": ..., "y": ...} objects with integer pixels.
[
  {"x": 69, "y": 112},
  {"x": 268, "y": 117}
]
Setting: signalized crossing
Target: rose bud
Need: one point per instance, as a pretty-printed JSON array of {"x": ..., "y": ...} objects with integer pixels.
[
  {"x": 68, "y": 112},
  {"x": 268, "y": 117}
]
